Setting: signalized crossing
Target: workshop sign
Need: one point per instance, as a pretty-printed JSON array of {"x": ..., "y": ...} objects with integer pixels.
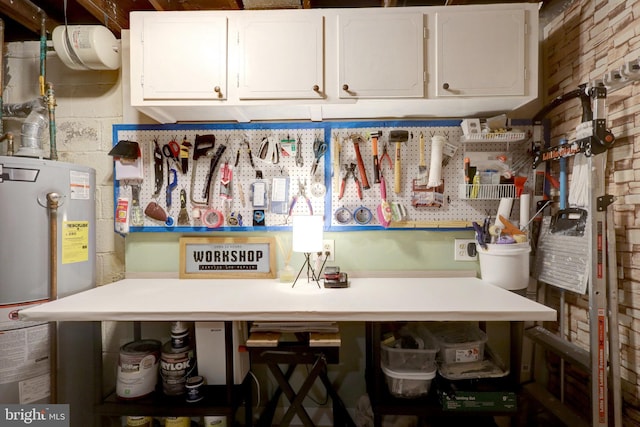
[{"x": 226, "y": 257}]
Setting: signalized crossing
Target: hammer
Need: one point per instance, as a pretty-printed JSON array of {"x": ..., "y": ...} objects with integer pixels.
[
  {"x": 356, "y": 139},
  {"x": 399, "y": 137}
]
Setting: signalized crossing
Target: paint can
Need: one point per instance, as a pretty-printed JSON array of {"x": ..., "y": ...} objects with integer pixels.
[
  {"x": 215, "y": 421},
  {"x": 138, "y": 421},
  {"x": 179, "y": 335},
  {"x": 137, "y": 374},
  {"x": 177, "y": 422},
  {"x": 176, "y": 365},
  {"x": 194, "y": 388}
]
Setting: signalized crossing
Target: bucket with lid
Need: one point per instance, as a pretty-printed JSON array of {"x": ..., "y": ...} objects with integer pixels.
[
  {"x": 505, "y": 265},
  {"x": 137, "y": 374}
]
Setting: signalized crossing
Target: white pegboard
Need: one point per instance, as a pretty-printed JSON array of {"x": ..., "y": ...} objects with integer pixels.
[{"x": 454, "y": 209}]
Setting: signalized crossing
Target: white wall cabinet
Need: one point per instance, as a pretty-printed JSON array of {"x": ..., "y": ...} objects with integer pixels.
[
  {"x": 480, "y": 53},
  {"x": 281, "y": 56},
  {"x": 381, "y": 55},
  {"x": 183, "y": 55},
  {"x": 318, "y": 64}
]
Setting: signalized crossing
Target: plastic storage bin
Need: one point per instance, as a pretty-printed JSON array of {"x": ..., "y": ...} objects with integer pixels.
[
  {"x": 459, "y": 342},
  {"x": 408, "y": 384},
  {"x": 419, "y": 359}
]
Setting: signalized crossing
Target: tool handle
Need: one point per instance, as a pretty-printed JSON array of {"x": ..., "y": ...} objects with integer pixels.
[
  {"x": 344, "y": 183},
  {"x": 376, "y": 161},
  {"x": 358, "y": 188},
  {"x": 421, "y": 146},
  {"x": 361, "y": 169},
  {"x": 397, "y": 170}
]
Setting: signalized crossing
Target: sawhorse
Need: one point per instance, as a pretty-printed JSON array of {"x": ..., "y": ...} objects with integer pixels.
[{"x": 293, "y": 353}]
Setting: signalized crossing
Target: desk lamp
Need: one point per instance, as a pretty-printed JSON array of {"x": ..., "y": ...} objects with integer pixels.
[{"x": 307, "y": 238}]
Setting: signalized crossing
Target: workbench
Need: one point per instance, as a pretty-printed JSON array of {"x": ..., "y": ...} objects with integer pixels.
[{"x": 370, "y": 300}]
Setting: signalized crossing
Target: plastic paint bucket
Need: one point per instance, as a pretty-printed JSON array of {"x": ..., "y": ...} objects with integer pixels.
[
  {"x": 137, "y": 369},
  {"x": 176, "y": 365},
  {"x": 506, "y": 266}
]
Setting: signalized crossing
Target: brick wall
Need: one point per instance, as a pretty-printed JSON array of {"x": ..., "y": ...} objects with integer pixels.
[{"x": 579, "y": 45}]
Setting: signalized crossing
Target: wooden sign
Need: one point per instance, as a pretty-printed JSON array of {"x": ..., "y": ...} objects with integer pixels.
[{"x": 227, "y": 257}]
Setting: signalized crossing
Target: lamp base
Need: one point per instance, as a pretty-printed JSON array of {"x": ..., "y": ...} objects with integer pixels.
[{"x": 307, "y": 263}]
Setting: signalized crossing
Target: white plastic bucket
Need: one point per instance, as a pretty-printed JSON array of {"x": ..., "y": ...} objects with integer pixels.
[{"x": 506, "y": 266}]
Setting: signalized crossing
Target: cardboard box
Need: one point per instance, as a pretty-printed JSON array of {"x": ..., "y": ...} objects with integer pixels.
[{"x": 457, "y": 400}]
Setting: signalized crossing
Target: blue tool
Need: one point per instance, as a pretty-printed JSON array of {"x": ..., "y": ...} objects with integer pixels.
[
  {"x": 171, "y": 184},
  {"x": 480, "y": 235}
]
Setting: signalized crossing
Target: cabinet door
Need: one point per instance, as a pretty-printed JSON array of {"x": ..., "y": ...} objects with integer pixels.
[
  {"x": 281, "y": 56},
  {"x": 381, "y": 55},
  {"x": 480, "y": 53},
  {"x": 184, "y": 56}
]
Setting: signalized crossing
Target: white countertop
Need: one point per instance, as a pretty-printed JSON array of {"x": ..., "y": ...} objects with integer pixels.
[{"x": 367, "y": 299}]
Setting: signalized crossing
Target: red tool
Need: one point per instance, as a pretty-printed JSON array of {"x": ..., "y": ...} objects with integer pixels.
[
  {"x": 357, "y": 139},
  {"x": 350, "y": 170}
]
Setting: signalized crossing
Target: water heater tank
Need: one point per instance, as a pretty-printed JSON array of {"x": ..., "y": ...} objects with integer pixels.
[{"x": 25, "y": 262}]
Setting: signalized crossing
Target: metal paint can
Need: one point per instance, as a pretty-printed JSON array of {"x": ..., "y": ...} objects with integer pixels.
[
  {"x": 215, "y": 421},
  {"x": 177, "y": 422},
  {"x": 137, "y": 374},
  {"x": 194, "y": 386},
  {"x": 137, "y": 421},
  {"x": 176, "y": 365}
]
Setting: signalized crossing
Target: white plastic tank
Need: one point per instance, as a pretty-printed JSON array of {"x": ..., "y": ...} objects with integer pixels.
[
  {"x": 86, "y": 47},
  {"x": 24, "y": 280}
]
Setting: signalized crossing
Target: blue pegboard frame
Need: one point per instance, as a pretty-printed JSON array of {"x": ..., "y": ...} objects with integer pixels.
[{"x": 454, "y": 214}]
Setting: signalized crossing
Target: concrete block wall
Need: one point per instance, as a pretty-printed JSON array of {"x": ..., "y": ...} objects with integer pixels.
[
  {"x": 88, "y": 104},
  {"x": 585, "y": 40}
]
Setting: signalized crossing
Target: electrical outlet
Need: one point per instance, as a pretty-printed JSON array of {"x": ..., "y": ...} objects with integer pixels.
[
  {"x": 465, "y": 250},
  {"x": 329, "y": 246}
]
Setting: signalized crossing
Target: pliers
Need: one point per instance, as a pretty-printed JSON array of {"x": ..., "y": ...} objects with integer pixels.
[
  {"x": 385, "y": 155},
  {"x": 350, "y": 170},
  {"x": 301, "y": 193}
]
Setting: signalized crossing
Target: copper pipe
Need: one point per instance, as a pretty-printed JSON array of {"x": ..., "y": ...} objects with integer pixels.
[{"x": 53, "y": 200}]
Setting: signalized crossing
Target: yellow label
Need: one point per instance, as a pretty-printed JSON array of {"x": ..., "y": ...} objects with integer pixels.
[
  {"x": 75, "y": 241},
  {"x": 177, "y": 422}
]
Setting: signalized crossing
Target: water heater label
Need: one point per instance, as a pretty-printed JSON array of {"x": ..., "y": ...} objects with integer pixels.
[
  {"x": 75, "y": 241},
  {"x": 80, "y": 185}
]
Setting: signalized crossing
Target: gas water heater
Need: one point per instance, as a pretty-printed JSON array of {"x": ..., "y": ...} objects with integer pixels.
[{"x": 26, "y": 254}]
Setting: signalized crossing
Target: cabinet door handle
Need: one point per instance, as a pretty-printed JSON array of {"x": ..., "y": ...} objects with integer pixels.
[
  {"x": 316, "y": 88},
  {"x": 218, "y": 91},
  {"x": 445, "y": 86},
  {"x": 345, "y": 88}
]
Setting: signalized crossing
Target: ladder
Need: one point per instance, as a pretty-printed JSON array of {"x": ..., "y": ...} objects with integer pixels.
[{"x": 602, "y": 360}]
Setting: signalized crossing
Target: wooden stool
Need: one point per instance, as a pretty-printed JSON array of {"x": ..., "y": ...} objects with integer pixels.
[{"x": 318, "y": 349}]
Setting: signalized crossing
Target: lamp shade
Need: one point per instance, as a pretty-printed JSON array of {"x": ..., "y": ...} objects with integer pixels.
[{"x": 307, "y": 233}]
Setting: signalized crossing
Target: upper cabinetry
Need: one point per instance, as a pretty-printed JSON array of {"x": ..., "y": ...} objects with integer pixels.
[
  {"x": 480, "y": 53},
  {"x": 281, "y": 56},
  {"x": 381, "y": 55},
  {"x": 182, "y": 55},
  {"x": 365, "y": 63}
]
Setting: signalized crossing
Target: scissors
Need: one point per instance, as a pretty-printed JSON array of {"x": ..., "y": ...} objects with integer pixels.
[{"x": 319, "y": 148}]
